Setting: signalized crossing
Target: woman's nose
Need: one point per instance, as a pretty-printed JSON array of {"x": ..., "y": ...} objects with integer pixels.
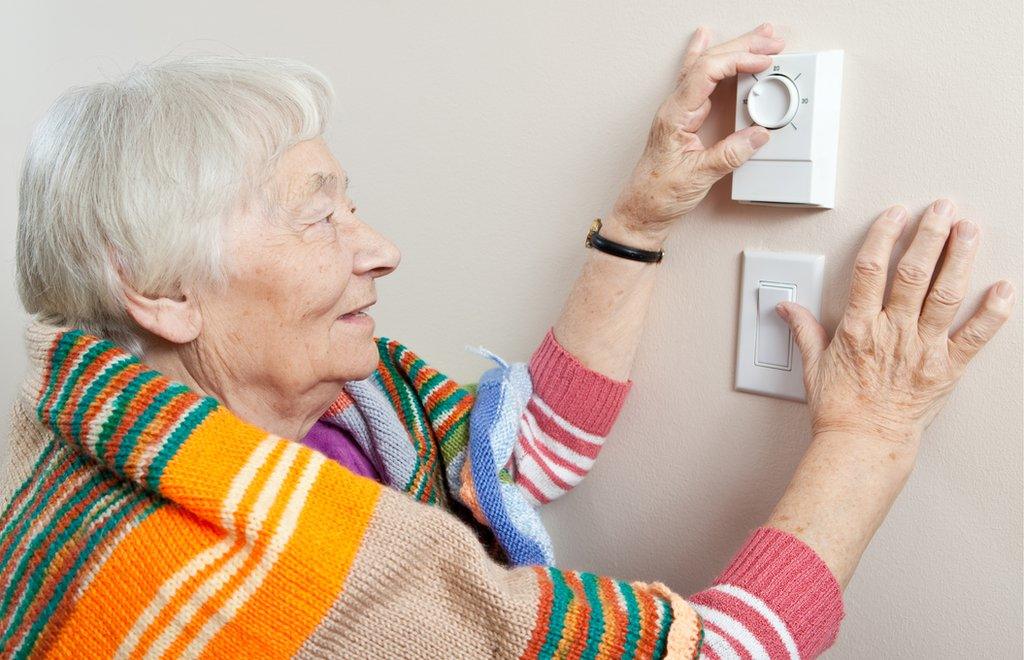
[{"x": 376, "y": 256}]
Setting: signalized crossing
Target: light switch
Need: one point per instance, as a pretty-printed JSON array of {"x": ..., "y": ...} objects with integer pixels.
[
  {"x": 797, "y": 98},
  {"x": 773, "y": 346},
  {"x": 767, "y": 360}
]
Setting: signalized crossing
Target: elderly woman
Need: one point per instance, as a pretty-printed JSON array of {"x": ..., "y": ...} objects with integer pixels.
[{"x": 213, "y": 454}]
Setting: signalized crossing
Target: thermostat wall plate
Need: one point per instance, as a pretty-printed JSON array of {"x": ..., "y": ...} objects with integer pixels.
[{"x": 797, "y": 99}]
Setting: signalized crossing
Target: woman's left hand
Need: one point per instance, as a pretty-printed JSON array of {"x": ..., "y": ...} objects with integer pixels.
[{"x": 676, "y": 170}]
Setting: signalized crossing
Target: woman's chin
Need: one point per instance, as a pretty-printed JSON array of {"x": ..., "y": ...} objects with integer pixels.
[{"x": 357, "y": 358}]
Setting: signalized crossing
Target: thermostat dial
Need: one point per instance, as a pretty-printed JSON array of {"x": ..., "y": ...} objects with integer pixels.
[{"x": 773, "y": 101}]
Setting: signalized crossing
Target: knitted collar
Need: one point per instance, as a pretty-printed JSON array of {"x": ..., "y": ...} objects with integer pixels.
[{"x": 104, "y": 401}]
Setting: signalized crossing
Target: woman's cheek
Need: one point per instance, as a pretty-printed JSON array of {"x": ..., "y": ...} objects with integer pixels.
[{"x": 329, "y": 284}]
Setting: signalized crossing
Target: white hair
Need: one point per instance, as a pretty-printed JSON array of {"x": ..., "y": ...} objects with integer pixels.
[{"x": 139, "y": 175}]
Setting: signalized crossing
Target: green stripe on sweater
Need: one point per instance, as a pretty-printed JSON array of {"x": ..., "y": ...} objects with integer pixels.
[
  {"x": 60, "y": 353},
  {"x": 38, "y": 540},
  {"x": 633, "y": 619},
  {"x": 595, "y": 627},
  {"x": 196, "y": 415},
  {"x": 561, "y": 597},
  {"x": 70, "y": 463}
]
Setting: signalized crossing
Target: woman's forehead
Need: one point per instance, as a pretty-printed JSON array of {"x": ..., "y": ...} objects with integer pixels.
[
  {"x": 309, "y": 187},
  {"x": 309, "y": 170}
]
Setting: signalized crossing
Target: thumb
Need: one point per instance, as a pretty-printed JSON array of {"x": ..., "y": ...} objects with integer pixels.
[
  {"x": 809, "y": 335},
  {"x": 731, "y": 152}
]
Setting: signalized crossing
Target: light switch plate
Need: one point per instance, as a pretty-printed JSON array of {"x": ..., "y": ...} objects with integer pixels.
[
  {"x": 767, "y": 361},
  {"x": 797, "y": 167}
]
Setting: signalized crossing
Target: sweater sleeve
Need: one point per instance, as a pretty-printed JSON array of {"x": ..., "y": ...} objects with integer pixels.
[
  {"x": 421, "y": 585},
  {"x": 563, "y": 427},
  {"x": 776, "y": 599}
]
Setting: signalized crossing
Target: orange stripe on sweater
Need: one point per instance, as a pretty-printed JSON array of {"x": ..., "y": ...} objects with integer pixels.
[
  {"x": 327, "y": 538},
  {"x": 192, "y": 587},
  {"x": 580, "y": 609},
  {"x": 615, "y": 622},
  {"x": 143, "y": 560},
  {"x": 259, "y": 548},
  {"x": 216, "y": 449},
  {"x": 545, "y": 600},
  {"x": 648, "y": 623}
]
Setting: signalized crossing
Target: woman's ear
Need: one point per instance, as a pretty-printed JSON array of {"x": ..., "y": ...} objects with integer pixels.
[{"x": 177, "y": 320}]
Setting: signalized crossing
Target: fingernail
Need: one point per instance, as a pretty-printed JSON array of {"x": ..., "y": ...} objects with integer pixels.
[
  {"x": 782, "y": 311},
  {"x": 943, "y": 207},
  {"x": 1004, "y": 290},
  {"x": 759, "y": 138},
  {"x": 896, "y": 213},
  {"x": 764, "y": 27},
  {"x": 966, "y": 230}
]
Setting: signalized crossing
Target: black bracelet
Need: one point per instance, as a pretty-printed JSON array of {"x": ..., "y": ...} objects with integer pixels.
[{"x": 599, "y": 242}]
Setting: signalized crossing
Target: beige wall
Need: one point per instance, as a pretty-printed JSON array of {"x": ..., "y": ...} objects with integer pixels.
[{"x": 484, "y": 140}]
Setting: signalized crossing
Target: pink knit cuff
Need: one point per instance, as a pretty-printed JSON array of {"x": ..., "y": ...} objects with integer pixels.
[
  {"x": 585, "y": 398},
  {"x": 794, "y": 582}
]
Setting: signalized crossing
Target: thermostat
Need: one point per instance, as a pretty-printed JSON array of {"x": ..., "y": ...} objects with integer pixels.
[{"x": 797, "y": 99}]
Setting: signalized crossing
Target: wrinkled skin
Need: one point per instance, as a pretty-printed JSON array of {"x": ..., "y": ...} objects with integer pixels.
[
  {"x": 676, "y": 170},
  {"x": 892, "y": 362}
]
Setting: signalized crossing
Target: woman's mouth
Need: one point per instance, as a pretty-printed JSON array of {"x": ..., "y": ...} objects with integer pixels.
[{"x": 358, "y": 316}]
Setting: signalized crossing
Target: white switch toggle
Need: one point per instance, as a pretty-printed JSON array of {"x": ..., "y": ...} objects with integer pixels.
[
  {"x": 767, "y": 359},
  {"x": 773, "y": 345},
  {"x": 772, "y": 101}
]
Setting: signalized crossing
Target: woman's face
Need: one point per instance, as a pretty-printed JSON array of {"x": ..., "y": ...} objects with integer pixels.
[{"x": 281, "y": 322}]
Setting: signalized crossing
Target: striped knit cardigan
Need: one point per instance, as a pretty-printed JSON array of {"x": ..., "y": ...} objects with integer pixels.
[{"x": 142, "y": 519}]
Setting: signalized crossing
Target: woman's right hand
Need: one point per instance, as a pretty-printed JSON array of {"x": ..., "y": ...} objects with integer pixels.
[
  {"x": 880, "y": 381},
  {"x": 892, "y": 363}
]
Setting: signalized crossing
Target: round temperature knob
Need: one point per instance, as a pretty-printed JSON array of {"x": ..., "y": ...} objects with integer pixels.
[{"x": 772, "y": 101}]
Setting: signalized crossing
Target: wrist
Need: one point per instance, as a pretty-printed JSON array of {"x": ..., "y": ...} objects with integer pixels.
[
  {"x": 622, "y": 229},
  {"x": 901, "y": 455},
  {"x": 867, "y": 427}
]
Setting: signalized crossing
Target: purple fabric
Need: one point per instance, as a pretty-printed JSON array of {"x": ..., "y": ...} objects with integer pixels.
[{"x": 337, "y": 444}]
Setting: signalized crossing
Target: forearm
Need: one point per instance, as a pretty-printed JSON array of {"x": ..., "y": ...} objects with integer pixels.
[
  {"x": 603, "y": 317},
  {"x": 839, "y": 495}
]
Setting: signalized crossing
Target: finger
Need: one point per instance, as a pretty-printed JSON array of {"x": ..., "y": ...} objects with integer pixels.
[
  {"x": 983, "y": 325},
  {"x": 708, "y": 70},
  {"x": 759, "y": 40},
  {"x": 950, "y": 286},
  {"x": 698, "y": 42},
  {"x": 808, "y": 335},
  {"x": 870, "y": 268},
  {"x": 731, "y": 152},
  {"x": 914, "y": 272}
]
